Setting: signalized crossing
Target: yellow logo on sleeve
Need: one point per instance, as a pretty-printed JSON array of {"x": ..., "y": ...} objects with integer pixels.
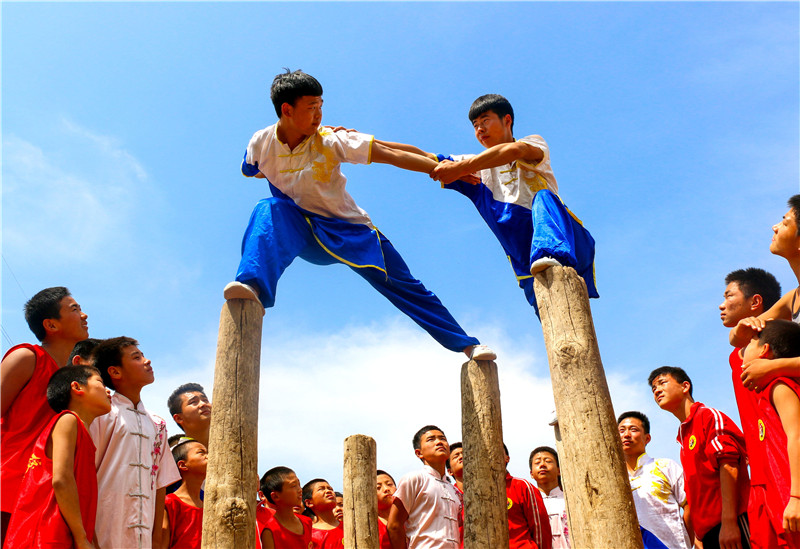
[
  {"x": 762, "y": 430},
  {"x": 692, "y": 442}
]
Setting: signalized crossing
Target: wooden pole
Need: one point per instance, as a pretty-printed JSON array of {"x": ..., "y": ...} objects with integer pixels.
[
  {"x": 360, "y": 495},
  {"x": 229, "y": 518},
  {"x": 485, "y": 508},
  {"x": 592, "y": 465}
]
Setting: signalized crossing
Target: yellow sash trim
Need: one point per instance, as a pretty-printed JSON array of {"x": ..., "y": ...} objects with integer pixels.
[{"x": 343, "y": 260}]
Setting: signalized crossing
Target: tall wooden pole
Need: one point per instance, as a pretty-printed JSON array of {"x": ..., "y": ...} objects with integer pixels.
[
  {"x": 592, "y": 465},
  {"x": 229, "y": 518},
  {"x": 485, "y": 508},
  {"x": 360, "y": 495}
]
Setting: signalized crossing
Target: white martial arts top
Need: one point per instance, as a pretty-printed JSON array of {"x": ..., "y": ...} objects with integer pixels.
[
  {"x": 433, "y": 506},
  {"x": 310, "y": 174},
  {"x": 557, "y": 511},
  {"x": 518, "y": 182},
  {"x": 133, "y": 460},
  {"x": 658, "y": 494}
]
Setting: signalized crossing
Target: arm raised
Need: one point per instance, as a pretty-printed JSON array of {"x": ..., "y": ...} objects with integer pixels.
[{"x": 392, "y": 154}]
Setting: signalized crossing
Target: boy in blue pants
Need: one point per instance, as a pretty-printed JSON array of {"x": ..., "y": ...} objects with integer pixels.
[
  {"x": 310, "y": 214},
  {"x": 517, "y": 196}
]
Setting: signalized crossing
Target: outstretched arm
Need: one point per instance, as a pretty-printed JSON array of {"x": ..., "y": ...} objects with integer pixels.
[
  {"x": 747, "y": 328},
  {"x": 407, "y": 148},
  {"x": 391, "y": 153},
  {"x": 447, "y": 172},
  {"x": 759, "y": 372}
]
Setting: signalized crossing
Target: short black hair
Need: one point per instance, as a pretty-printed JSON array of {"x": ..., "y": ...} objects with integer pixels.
[
  {"x": 752, "y": 281},
  {"x": 174, "y": 402},
  {"x": 783, "y": 337},
  {"x": 539, "y": 449},
  {"x": 416, "y": 441},
  {"x": 308, "y": 491},
  {"x": 109, "y": 353},
  {"x": 678, "y": 374},
  {"x": 794, "y": 204},
  {"x": 84, "y": 349},
  {"x": 454, "y": 446},
  {"x": 636, "y": 415},
  {"x": 289, "y": 86},
  {"x": 505, "y": 449},
  {"x": 382, "y": 472},
  {"x": 173, "y": 439},
  {"x": 341, "y": 495},
  {"x": 180, "y": 449},
  {"x": 45, "y": 304},
  {"x": 491, "y": 102},
  {"x": 273, "y": 480},
  {"x": 59, "y": 388}
]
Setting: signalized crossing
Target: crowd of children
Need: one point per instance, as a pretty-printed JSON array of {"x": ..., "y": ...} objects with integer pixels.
[{"x": 85, "y": 467}]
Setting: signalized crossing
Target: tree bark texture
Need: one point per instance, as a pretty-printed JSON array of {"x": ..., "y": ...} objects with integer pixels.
[
  {"x": 485, "y": 507},
  {"x": 229, "y": 518},
  {"x": 360, "y": 495},
  {"x": 593, "y": 471}
]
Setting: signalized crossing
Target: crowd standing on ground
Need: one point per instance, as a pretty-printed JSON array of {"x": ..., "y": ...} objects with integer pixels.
[{"x": 86, "y": 467}]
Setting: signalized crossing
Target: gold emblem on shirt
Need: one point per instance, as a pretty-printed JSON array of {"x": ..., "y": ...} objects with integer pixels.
[
  {"x": 692, "y": 442},
  {"x": 33, "y": 461},
  {"x": 762, "y": 431},
  {"x": 510, "y": 503}
]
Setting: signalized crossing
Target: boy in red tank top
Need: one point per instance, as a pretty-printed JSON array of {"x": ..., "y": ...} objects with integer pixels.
[
  {"x": 182, "y": 527},
  {"x": 57, "y": 321},
  {"x": 285, "y": 530},
  {"x": 57, "y": 504}
]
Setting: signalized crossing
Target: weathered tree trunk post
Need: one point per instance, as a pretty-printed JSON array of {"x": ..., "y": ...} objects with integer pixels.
[
  {"x": 485, "y": 508},
  {"x": 592, "y": 465},
  {"x": 229, "y": 518},
  {"x": 360, "y": 496}
]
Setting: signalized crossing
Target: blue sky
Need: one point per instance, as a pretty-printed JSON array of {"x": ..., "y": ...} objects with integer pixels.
[{"x": 673, "y": 130}]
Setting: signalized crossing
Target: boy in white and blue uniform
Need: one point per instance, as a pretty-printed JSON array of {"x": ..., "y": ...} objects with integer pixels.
[
  {"x": 517, "y": 196},
  {"x": 311, "y": 215}
]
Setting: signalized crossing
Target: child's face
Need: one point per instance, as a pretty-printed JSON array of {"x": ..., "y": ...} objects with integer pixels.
[
  {"x": 97, "y": 395},
  {"x": 322, "y": 497},
  {"x": 668, "y": 393},
  {"x": 544, "y": 469},
  {"x": 785, "y": 241},
  {"x": 434, "y": 448},
  {"x": 634, "y": 440},
  {"x": 72, "y": 322},
  {"x": 386, "y": 490},
  {"x": 196, "y": 460},
  {"x": 457, "y": 462},
  {"x": 338, "y": 511},
  {"x": 291, "y": 493},
  {"x": 753, "y": 351},
  {"x": 491, "y": 130},
  {"x": 195, "y": 411},
  {"x": 306, "y": 114},
  {"x": 136, "y": 369}
]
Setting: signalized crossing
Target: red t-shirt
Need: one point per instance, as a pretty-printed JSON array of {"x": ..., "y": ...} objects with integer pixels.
[
  {"x": 748, "y": 413},
  {"x": 36, "y": 521},
  {"x": 383, "y": 536},
  {"x": 22, "y": 424},
  {"x": 284, "y": 539},
  {"x": 528, "y": 522},
  {"x": 185, "y": 523},
  {"x": 772, "y": 460},
  {"x": 334, "y": 539},
  {"x": 709, "y": 438},
  {"x": 317, "y": 537}
]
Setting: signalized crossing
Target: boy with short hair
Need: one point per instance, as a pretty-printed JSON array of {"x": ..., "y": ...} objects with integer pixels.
[
  {"x": 285, "y": 529},
  {"x": 386, "y": 487},
  {"x": 786, "y": 243},
  {"x": 133, "y": 462},
  {"x": 58, "y": 497},
  {"x": 82, "y": 352},
  {"x": 517, "y": 196},
  {"x": 776, "y": 453},
  {"x": 320, "y": 502},
  {"x": 657, "y": 484},
  {"x": 455, "y": 465},
  {"x": 191, "y": 410},
  {"x": 713, "y": 460},
  {"x": 426, "y": 509},
  {"x": 58, "y": 323},
  {"x": 310, "y": 214},
  {"x": 543, "y": 463},
  {"x": 183, "y": 517},
  {"x": 528, "y": 522}
]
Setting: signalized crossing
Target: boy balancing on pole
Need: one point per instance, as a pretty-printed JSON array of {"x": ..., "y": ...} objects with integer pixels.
[
  {"x": 517, "y": 196},
  {"x": 312, "y": 216}
]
